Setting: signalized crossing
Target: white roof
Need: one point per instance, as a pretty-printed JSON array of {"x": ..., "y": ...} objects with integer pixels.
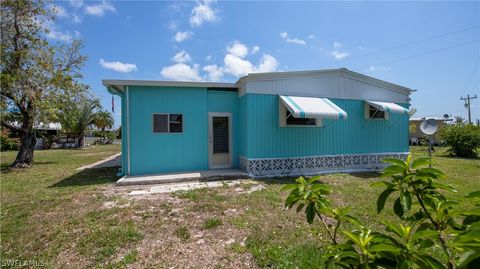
[
  {"x": 312, "y": 107},
  {"x": 388, "y": 107},
  {"x": 119, "y": 84},
  {"x": 435, "y": 118}
]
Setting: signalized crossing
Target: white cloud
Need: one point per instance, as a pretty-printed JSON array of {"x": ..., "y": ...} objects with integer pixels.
[
  {"x": 99, "y": 9},
  {"x": 58, "y": 35},
  {"x": 338, "y": 52},
  {"x": 374, "y": 68},
  {"x": 311, "y": 36},
  {"x": 182, "y": 36},
  {"x": 237, "y": 66},
  {"x": 59, "y": 11},
  {"x": 209, "y": 57},
  {"x": 181, "y": 71},
  {"x": 173, "y": 25},
  {"x": 182, "y": 57},
  {"x": 55, "y": 34},
  {"x": 76, "y": 19},
  {"x": 214, "y": 72},
  {"x": 284, "y": 36},
  {"x": 240, "y": 67},
  {"x": 238, "y": 49},
  {"x": 267, "y": 64},
  {"x": 203, "y": 12},
  {"x": 255, "y": 49},
  {"x": 339, "y": 55},
  {"x": 118, "y": 66},
  {"x": 76, "y": 3},
  {"x": 337, "y": 45}
]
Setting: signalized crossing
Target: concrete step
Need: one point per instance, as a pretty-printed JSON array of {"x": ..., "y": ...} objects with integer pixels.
[{"x": 202, "y": 175}]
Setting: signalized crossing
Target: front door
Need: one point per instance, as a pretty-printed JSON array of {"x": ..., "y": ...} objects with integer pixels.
[{"x": 220, "y": 140}]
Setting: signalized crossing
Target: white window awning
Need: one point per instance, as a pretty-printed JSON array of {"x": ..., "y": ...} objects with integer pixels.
[
  {"x": 388, "y": 107},
  {"x": 312, "y": 107}
]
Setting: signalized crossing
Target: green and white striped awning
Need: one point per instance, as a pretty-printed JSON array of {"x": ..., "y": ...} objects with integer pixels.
[
  {"x": 388, "y": 107},
  {"x": 312, "y": 107}
]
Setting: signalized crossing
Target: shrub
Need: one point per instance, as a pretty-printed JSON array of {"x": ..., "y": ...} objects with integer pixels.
[
  {"x": 463, "y": 139},
  {"x": 428, "y": 220},
  {"x": 7, "y": 143}
]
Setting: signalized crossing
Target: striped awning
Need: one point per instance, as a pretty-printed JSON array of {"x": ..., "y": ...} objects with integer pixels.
[
  {"x": 312, "y": 107},
  {"x": 388, "y": 107}
]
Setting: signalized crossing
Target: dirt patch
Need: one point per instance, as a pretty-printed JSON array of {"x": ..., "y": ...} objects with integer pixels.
[{"x": 174, "y": 227}]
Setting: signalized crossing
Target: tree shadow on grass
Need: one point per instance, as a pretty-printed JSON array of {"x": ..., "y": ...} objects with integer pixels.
[{"x": 92, "y": 176}]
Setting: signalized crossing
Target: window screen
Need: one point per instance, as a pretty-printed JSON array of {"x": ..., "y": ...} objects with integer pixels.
[
  {"x": 176, "y": 123},
  {"x": 375, "y": 113},
  {"x": 291, "y": 120},
  {"x": 220, "y": 135},
  {"x": 160, "y": 123}
]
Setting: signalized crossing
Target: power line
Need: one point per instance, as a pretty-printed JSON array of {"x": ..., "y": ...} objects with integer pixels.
[
  {"x": 429, "y": 52},
  {"x": 471, "y": 75},
  {"x": 414, "y": 42}
]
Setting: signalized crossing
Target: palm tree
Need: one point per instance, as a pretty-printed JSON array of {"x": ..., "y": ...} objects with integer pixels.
[
  {"x": 103, "y": 119},
  {"x": 76, "y": 119}
]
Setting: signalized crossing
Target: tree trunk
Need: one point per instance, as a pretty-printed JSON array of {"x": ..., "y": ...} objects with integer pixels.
[
  {"x": 25, "y": 152},
  {"x": 27, "y": 138},
  {"x": 81, "y": 141}
]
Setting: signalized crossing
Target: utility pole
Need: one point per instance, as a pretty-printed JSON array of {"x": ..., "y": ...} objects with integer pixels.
[{"x": 467, "y": 105}]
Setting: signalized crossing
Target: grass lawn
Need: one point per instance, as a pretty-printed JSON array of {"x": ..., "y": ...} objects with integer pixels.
[{"x": 66, "y": 218}]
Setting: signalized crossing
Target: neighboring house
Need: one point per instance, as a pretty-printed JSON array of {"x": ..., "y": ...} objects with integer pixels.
[
  {"x": 416, "y": 133},
  {"x": 47, "y": 129},
  {"x": 284, "y": 123}
]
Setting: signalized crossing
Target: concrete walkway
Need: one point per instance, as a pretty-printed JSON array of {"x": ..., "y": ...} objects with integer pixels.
[
  {"x": 203, "y": 175},
  {"x": 114, "y": 160},
  {"x": 173, "y": 187}
]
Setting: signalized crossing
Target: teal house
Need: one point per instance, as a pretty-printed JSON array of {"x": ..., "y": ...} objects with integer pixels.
[{"x": 267, "y": 124}]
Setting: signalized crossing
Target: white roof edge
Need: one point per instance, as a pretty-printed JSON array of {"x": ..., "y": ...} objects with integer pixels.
[
  {"x": 340, "y": 71},
  {"x": 120, "y": 83},
  {"x": 436, "y": 118}
]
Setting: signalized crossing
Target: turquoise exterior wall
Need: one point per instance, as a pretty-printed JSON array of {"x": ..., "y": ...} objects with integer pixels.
[
  {"x": 168, "y": 152},
  {"x": 263, "y": 138}
]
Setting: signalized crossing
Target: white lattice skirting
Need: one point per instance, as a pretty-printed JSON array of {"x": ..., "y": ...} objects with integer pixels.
[{"x": 266, "y": 167}]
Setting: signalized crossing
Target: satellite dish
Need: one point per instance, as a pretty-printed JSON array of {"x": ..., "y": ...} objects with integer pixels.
[{"x": 429, "y": 126}]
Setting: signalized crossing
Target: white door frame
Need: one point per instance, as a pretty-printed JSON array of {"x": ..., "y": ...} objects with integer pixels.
[{"x": 210, "y": 139}]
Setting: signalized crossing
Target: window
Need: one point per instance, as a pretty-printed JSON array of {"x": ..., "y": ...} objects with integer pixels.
[
  {"x": 167, "y": 123},
  {"x": 374, "y": 113},
  {"x": 291, "y": 120}
]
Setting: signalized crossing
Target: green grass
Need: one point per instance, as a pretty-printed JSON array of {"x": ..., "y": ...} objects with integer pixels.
[
  {"x": 182, "y": 233},
  {"x": 54, "y": 213},
  {"x": 212, "y": 223}
]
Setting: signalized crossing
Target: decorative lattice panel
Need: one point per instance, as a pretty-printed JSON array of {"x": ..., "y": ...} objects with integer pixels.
[{"x": 266, "y": 167}]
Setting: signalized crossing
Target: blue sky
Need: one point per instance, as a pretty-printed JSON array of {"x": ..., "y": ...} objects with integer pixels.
[{"x": 429, "y": 46}]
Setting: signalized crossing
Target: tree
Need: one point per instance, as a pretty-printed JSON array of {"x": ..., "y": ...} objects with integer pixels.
[
  {"x": 35, "y": 75},
  {"x": 103, "y": 119},
  {"x": 76, "y": 118},
  {"x": 412, "y": 112}
]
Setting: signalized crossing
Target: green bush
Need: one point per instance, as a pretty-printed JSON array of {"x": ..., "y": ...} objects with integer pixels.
[
  {"x": 428, "y": 221},
  {"x": 7, "y": 143},
  {"x": 463, "y": 139}
]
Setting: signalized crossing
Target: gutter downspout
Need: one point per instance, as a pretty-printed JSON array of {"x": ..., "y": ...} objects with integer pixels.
[{"x": 120, "y": 94}]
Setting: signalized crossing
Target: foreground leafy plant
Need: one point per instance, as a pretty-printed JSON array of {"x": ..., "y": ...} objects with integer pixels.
[{"x": 433, "y": 221}]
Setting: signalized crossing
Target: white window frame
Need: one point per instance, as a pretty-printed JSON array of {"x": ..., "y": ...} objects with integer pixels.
[
  {"x": 168, "y": 123},
  {"x": 282, "y": 119},
  {"x": 367, "y": 113}
]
